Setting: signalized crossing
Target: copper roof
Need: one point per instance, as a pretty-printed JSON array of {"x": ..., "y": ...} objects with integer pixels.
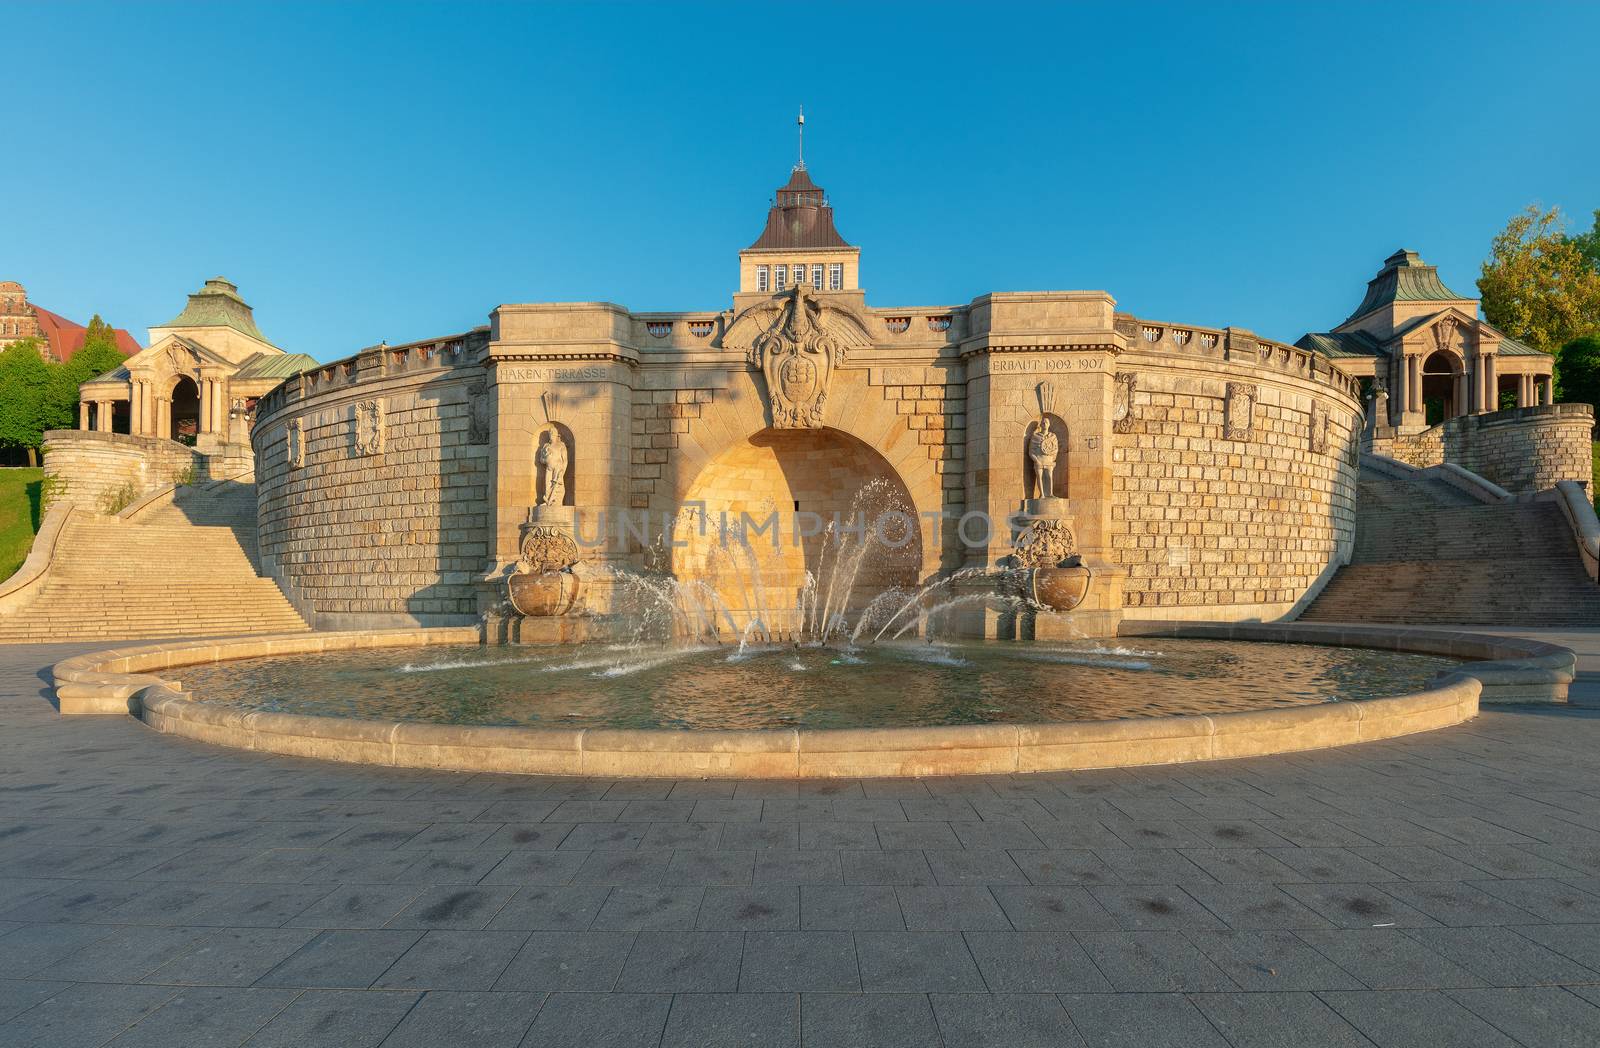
[
  {"x": 800, "y": 217},
  {"x": 1404, "y": 278}
]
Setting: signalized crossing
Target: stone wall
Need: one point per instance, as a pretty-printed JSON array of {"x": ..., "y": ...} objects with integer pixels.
[
  {"x": 373, "y": 482},
  {"x": 1524, "y": 450},
  {"x": 104, "y": 472},
  {"x": 1233, "y": 474}
]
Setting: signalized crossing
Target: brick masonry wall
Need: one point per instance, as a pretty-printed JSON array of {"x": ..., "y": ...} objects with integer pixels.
[
  {"x": 1524, "y": 450},
  {"x": 90, "y": 468},
  {"x": 378, "y": 523},
  {"x": 1209, "y": 512}
]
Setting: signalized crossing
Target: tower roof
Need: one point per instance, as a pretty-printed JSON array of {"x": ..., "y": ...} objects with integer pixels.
[
  {"x": 218, "y": 305},
  {"x": 1404, "y": 278},
  {"x": 800, "y": 217}
]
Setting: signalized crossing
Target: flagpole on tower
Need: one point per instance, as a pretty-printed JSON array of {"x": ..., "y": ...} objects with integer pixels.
[{"x": 802, "y": 124}]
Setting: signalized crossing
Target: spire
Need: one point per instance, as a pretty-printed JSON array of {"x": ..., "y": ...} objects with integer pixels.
[{"x": 801, "y": 165}]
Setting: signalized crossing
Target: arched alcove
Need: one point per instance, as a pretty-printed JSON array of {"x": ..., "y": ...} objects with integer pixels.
[{"x": 1030, "y": 481}]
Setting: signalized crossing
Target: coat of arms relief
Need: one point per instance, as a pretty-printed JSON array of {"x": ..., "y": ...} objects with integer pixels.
[{"x": 796, "y": 341}]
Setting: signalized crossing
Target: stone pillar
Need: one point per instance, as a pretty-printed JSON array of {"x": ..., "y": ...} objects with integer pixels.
[
  {"x": 83, "y": 414},
  {"x": 163, "y": 417},
  {"x": 1491, "y": 384},
  {"x": 202, "y": 424},
  {"x": 1458, "y": 394},
  {"x": 102, "y": 416},
  {"x": 1525, "y": 395}
]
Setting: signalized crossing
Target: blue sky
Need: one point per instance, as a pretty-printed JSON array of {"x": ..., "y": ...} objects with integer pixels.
[{"x": 368, "y": 172}]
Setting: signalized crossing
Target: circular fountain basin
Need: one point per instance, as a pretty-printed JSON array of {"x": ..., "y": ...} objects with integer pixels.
[{"x": 978, "y": 709}]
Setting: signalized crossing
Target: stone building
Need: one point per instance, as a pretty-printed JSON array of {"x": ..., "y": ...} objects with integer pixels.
[
  {"x": 199, "y": 380},
  {"x": 1203, "y": 472},
  {"x": 59, "y": 338},
  {"x": 1423, "y": 350}
]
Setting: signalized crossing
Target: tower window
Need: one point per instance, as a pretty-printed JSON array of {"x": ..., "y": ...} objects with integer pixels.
[
  {"x": 816, "y": 275},
  {"x": 799, "y": 272},
  {"x": 836, "y": 276},
  {"x": 780, "y": 277},
  {"x": 763, "y": 278}
]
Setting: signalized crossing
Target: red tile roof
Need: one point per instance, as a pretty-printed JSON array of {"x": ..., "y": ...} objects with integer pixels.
[{"x": 65, "y": 338}]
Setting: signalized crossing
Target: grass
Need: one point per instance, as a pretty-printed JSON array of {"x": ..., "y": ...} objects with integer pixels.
[{"x": 20, "y": 490}]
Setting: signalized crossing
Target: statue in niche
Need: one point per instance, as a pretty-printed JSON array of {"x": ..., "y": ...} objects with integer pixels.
[
  {"x": 1043, "y": 447},
  {"x": 552, "y": 458}
]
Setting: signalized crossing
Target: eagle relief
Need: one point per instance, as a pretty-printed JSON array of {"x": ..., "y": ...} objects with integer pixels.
[{"x": 796, "y": 345}]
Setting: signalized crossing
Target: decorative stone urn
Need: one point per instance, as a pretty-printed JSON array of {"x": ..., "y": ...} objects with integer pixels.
[
  {"x": 544, "y": 583},
  {"x": 1053, "y": 575}
]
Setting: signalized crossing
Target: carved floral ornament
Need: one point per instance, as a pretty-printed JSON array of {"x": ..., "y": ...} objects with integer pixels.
[
  {"x": 1239, "y": 408},
  {"x": 369, "y": 427},
  {"x": 1045, "y": 544},
  {"x": 547, "y": 547},
  {"x": 1444, "y": 333},
  {"x": 796, "y": 341}
]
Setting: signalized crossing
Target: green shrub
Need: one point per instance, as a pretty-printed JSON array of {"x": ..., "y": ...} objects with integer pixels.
[{"x": 118, "y": 499}]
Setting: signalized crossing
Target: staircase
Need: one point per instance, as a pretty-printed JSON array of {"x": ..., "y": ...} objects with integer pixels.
[
  {"x": 188, "y": 568},
  {"x": 1426, "y": 553}
]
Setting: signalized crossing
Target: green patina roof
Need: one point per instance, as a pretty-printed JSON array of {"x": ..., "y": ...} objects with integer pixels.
[
  {"x": 1510, "y": 347},
  {"x": 275, "y": 365},
  {"x": 218, "y": 305},
  {"x": 1345, "y": 344},
  {"x": 1404, "y": 278}
]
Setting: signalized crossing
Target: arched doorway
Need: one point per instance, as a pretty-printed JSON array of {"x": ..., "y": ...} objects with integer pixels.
[
  {"x": 785, "y": 505},
  {"x": 185, "y": 410},
  {"x": 1442, "y": 388}
]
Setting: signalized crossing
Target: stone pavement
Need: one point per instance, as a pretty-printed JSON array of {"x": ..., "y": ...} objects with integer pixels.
[{"x": 1440, "y": 890}]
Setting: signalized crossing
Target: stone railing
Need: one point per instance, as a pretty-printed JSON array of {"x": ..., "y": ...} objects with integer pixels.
[
  {"x": 1524, "y": 450},
  {"x": 1234, "y": 344},
  {"x": 104, "y": 472},
  {"x": 434, "y": 354}
]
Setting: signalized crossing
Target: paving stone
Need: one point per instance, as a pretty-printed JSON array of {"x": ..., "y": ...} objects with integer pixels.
[
  {"x": 26, "y": 950},
  {"x": 565, "y": 961},
  {"x": 1272, "y": 960},
  {"x": 335, "y": 1019},
  {"x": 999, "y": 1020},
  {"x": 232, "y": 956},
  {"x": 1388, "y": 959},
  {"x": 17, "y": 995},
  {"x": 1546, "y": 1016},
  {"x": 1272, "y": 1020},
  {"x": 588, "y": 1020},
  {"x": 874, "y": 1020},
  {"x": 1550, "y": 900},
  {"x": 838, "y": 907},
  {"x": 885, "y": 867},
  {"x": 1153, "y": 962},
  {"x": 683, "y": 962},
  {"x": 342, "y": 959},
  {"x": 453, "y": 960},
  {"x": 1358, "y": 906},
  {"x": 359, "y": 906},
  {"x": 634, "y": 909},
  {"x": 454, "y": 906},
  {"x": 733, "y": 1020},
  {"x": 1414, "y": 1019},
  {"x": 766, "y": 908},
  {"x": 1153, "y": 866},
  {"x": 916, "y": 962},
  {"x": 1147, "y": 1020},
  {"x": 1454, "y": 904},
  {"x": 808, "y": 961},
  {"x": 1034, "y": 962},
  {"x": 126, "y": 955},
  {"x": 84, "y": 1014},
  {"x": 950, "y": 909},
  {"x": 199, "y": 1015},
  {"x": 551, "y": 909},
  {"x": 483, "y": 1020}
]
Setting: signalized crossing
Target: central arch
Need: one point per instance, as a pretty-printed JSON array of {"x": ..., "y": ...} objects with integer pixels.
[
  {"x": 1442, "y": 387},
  {"x": 756, "y": 516},
  {"x": 185, "y": 409}
]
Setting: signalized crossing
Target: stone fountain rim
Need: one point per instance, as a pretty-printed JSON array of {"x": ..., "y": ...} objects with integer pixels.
[{"x": 130, "y": 681}]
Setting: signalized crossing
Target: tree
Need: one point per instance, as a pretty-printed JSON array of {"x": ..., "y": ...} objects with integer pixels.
[
  {"x": 1578, "y": 368},
  {"x": 25, "y": 380},
  {"x": 1588, "y": 244},
  {"x": 1536, "y": 284}
]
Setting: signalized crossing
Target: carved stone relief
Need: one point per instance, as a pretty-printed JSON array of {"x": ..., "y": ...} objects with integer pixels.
[
  {"x": 369, "y": 427},
  {"x": 1045, "y": 544},
  {"x": 796, "y": 343},
  {"x": 1319, "y": 429},
  {"x": 547, "y": 547},
  {"x": 1122, "y": 402},
  {"x": 1239, "y": 410},
  {"x": 477, "y": 414},
  {"x": 295, "y": 444}
]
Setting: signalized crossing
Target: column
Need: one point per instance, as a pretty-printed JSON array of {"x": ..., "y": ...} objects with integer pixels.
[
  {"x": 1458, "y": 397},
  {"x": 1491, "y": 391},
  {"x": 1415, "y": 363},
  {"x": 202, "y": 422},
  {"x": 1402, "y": 395},
  {"x": 163, "y": 417},
  {"x": 1524, "y": 390},
  {"x": 102, "y": 416},
  {"x": 83, "y": 414}
]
